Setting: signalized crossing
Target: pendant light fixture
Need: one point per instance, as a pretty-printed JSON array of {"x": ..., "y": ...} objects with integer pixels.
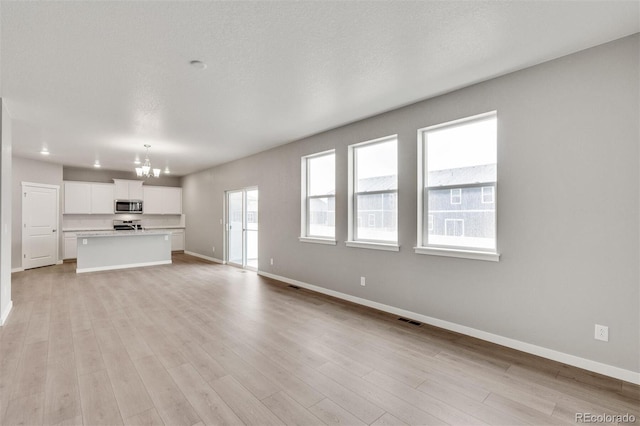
[{"x": 146, "y": 171}]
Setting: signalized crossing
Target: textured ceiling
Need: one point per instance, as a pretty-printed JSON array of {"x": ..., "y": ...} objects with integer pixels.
[{"x": 97, "y": 80}]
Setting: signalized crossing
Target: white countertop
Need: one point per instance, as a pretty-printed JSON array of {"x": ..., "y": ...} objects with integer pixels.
[
  {"x": 164, "y": 227},
  {"x": 113, "y": 233},
  {"x": 86, "y": 229},
  {"x": 111, "y": 229}
]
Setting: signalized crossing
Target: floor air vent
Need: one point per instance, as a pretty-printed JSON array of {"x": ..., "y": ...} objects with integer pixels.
[
  {"x": 412, "y": 322},
  {"x": 294, "y": 287}
]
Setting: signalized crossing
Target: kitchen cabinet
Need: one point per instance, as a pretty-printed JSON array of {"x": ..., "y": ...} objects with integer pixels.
[
  {"x": 173, "y": 202},
  {"x": 128, "y": 189},
  {"x": 118, "y": 250},
  {"x": 77, "y": 197},
  {"x": 70, "y": 245},
  {"x": 177, "y": 240},
  {"x": 88, "y": 198},
  {"x": 162, "y": 200},
  {"x": 102, "y": 198},
  {"x": 70, "y": 242}
]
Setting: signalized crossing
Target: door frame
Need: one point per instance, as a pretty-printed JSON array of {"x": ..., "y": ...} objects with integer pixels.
[
  {"x": 22, "y": 227},
  {"x": 244, "y": 224}
]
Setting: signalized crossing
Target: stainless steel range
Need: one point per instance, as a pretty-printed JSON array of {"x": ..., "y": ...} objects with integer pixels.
[{"x": 127, "y": 225}]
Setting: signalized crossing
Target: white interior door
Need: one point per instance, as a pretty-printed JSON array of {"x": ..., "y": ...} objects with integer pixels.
[
  {"x": 39, "y": 225},
  {"x": 242, "y": 228}
]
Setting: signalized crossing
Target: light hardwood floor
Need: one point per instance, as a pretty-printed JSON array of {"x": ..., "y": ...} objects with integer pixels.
[{"x": 196, "y": 343}]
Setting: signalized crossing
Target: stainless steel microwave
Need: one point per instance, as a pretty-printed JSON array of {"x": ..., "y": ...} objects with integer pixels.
[{"x": 128, "y": 207}]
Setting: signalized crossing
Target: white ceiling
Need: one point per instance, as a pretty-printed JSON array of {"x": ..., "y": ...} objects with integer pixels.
[{"x": 97, "y": 80}]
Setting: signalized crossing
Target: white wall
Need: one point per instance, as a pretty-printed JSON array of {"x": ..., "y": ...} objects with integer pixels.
[
  {"x": 27, "y": 170},
  {"x": 5, "y": 214},
  {"x": 568, "y": 209}
]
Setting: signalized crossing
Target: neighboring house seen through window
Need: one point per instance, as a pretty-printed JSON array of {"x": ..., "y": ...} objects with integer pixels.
[
  {"x": 458, "y": 181},
  {"x": 318, "y": 196},
  {"x": 373, "y": 203}
]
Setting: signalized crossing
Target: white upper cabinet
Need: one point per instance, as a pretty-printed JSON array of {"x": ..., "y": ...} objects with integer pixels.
[
  {"x": 102, "y": 198},
  {"x": 88, "y": 198},
  {"x": 128, "y": 189},
  {"x": 98, "y": 198},
  {"x": 162, "y": 200},
  {"x": 173, "y": 203},
  {"x": 153, "y": 201},
  {"x": 77, "y": 197}
]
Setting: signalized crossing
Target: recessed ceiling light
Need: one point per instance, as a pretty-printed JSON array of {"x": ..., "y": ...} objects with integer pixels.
[
  {"x": 44, "y": 151},
  {"x": 167, "y": 171},
  {"x": 198, "y": 64},
  {"x": 96, "y": 164},
  {"x": 137, "y": 161}
]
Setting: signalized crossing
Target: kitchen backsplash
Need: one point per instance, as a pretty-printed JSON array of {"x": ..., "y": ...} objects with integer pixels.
[{"x": 93, "y": 221}]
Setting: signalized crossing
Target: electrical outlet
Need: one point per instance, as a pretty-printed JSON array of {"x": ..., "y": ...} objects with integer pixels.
[
  {"x": 213, "y": 249},
  {"x": 363, "y": 281},
  {"x": 271, "y": 261},
  {"x": 602, "y": 333},
  {"x": 84, "y": 241}
]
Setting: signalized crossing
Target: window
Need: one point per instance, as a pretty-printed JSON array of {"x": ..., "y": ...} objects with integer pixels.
[
  {"x": 373, "y": 194},
  {"x": 318, "y": 198},
  {"x": 454, "y": 227},
  {"x": 456, "y": 196},
  {"x": 455, "y": 159},
  {"x": 487, "y": 194}
]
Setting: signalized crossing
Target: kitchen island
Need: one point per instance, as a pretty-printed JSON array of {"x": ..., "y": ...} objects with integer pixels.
[{"x": 103, "y": 251}]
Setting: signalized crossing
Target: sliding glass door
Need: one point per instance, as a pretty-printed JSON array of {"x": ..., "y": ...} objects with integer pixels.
[
  {"x": 251, "y": 228},
  {"x": 242, "y": 228}
]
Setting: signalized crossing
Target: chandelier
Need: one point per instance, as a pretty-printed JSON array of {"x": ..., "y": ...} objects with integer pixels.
[{"x": 146, "y": 171}]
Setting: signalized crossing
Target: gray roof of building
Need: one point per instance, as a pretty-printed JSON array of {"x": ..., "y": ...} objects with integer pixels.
[
  {"x": 485, "y": 173},
  {"x": 378, "y": 183}
]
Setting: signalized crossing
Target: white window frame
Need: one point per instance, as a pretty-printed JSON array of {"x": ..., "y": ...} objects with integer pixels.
[
  {"x": 491, "y": 194},
  {"x": 352, "y": 240},
  {"x": 305, "y": 237},
  {"x": 449, "y": 220},
  {"x": 460, "y": 252},
  {"x": 455, "y": 194}
]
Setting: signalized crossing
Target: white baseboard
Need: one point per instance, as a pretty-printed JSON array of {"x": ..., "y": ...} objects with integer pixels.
[
  {"x": 202, "y": 256},
  {"x": 4, "y": 317},
  {"x": 132, "y": 265},
  {"x": 586, "y": 364}
]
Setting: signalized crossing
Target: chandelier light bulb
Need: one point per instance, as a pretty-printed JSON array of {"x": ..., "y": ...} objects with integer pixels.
[{"x": 146, "y": 170}]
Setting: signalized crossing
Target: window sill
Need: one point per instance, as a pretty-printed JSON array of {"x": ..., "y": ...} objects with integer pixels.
[
  {"x": 373, "y": 246},
  {"x": 313, "y": 240},
  {"x": 465, "y": 254}
]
